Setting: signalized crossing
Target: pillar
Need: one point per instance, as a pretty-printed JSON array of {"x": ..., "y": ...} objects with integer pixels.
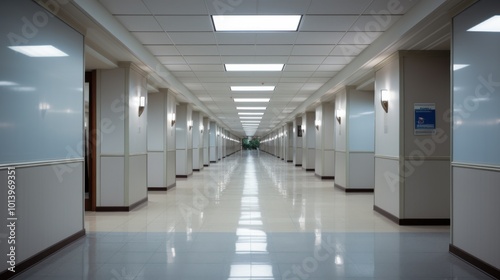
[
  {"x": 206, "y": 141},
  {"x": 325, "y": 141},
  {"x": 297, "y": 141},
  {"x": 184, "y": 140},
  {"x": 308, "y": 141}
]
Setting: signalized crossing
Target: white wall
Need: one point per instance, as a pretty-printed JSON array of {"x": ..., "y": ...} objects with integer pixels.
[
  {"x": 475, "y": 149},
  {"x": 325, "y": 141},
  {"x": 214, "y": 151},
  {"x": 308, "y": 141},
  {"x": 184, "y": 140},
  {"x": 197, "y": 141},
  {"x": 206, "y": 142},
  {"x": 297, "y": 142}
]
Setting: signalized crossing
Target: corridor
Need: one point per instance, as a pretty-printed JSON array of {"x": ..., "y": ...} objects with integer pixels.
[{"x": 253, "y": 216}]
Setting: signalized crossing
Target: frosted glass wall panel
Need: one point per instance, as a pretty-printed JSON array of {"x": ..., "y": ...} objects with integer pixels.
[
  {"x": 41, "y": 98},
  {"x": 476, "y": 83}
]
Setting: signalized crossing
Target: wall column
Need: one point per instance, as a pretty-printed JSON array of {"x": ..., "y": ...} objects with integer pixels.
[
  {"x": 308, "y": 141},
  {"x": 184, "y": 140},
  {"x": 325, "y": 141},
  {"x": 297, "y": 141}
]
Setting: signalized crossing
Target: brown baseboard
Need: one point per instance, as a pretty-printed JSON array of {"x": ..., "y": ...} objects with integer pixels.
[
  {"x": 289, "y": 161},
  {"x": 121, "y": 208},
  {"x": 197, "y": 170},
  {"x": 480, "y": 264},
  {"x": 310, "y": 170},
  {"x": 325, "y": 177},
  {"x": 206, "y": 165},
  {"x": 412, "y": 222},
  {"x": 157, "y": 189},
  {"x": 298, "y": 165},
  {"x": 42, "y": 255},
  {"x": 181, "y": 176},
  {"x": 213, "y": 161}
]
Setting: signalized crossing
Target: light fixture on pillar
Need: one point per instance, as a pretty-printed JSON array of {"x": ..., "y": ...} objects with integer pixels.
[
  {"x": 384, "y": 99},
  {"x": 201, "y": 128},
  {"x": 339, "y": 113},
  {"x": 190, "y": 124},
  {"x": 172, "y": 121},
  {"x": 317, "y": 124},
  {"x": 142, "y": 104},
  {"x": 303, "y": 129}
]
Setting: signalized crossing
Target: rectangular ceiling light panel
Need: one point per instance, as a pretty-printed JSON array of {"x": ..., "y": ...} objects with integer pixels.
[{"x": 256, "y": 22}]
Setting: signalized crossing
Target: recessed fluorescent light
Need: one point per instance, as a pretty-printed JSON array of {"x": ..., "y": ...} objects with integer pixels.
[
  {"x": 252, "y": 88},
  {"x": 459, "y": 66},
  {"x": 250, "y": 108},
  {"x": 254, "y": 67},
  {"x": 490, "y": 25},
  {"x": 255, "y": 114},
  {"x": 39, "y": 51},
  {"x": 251, "y": 118},
  {"x": 256, "y": 22},
  {"x": 252, "y": 99},
  {"x": 7, "y": 83},
  {"x": 250, "y": 121}
]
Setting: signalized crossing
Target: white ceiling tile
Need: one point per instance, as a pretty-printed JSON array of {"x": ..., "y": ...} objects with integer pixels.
[
  {"x": 139, "y": 23},
  {"x": 374, "y": 23},
  {"x": 312, "y": 86},
  {"x": 338, "y": 6},
  {"x": 195, "y": 38},
  {"x": 174, "y": 7},
  {"x": 275, "y": 38},
  {"x": 237, "y": 50},
  {"x": 293, "y": 80},
  {"x": 185, "y": 23},
  {"x": 312, "y": 49},
  {"x": 359, "y": 38},
  {"x": 330, "y": 68},
  {"x": 288, "y": 86},
  {"x": 318, "y": 80},
  {"x": 153, "y": 38},
  {"x": 125, "y": 7},
  {"x": 308, "y": 59},
  {"x": 176, "y": 68},
  {"x": 254, "y": 59},
  {"x": 390, "y": 7},
  {"x": 348, "y": 50},
  {"x": 198, "y": 50},
  {"x": 232, "y": 7},
  {"x": 338, "y": 59},
  {"x": 163, "y": 50},
  {"x": 319, "y": 38},
  {"x": 207, "y": 68},
  {"x": 283, "y": 7},
  {"x": 301, "y": 74},
  {"x": 273, "y": 50},
  {"x": 195, "y": 87},
  {"x": 327, "y": 23},
  {"x": 214, "y": 59},
  {"x": 299, "y": 68},
  {"x": 171, "y": 60},
  {"x": 235, "y": 38}
]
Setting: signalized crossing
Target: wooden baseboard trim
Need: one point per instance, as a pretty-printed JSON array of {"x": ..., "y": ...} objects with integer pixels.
[
  {"x": 412, "y": 222},
  {"x": 213, "y": 161},
  {"x": 181, "y": 176},
  {"x": 350, "y": 190},
  {"x": 298, "y": 165},
  {"x": 24, "y": 265},
  {"x": 206, "y": 165},
  {"x": 310, "y": 170},
  {"x": 326, "y": 177},
  {"x": 197, "y": 170},
  {"x": 121, "y": 208},
  {"x": 289, "y": 161},
  {"x": 480, "y": 264}
]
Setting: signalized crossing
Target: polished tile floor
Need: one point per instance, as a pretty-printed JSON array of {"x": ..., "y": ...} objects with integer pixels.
[{"x": 253, "y": 216}]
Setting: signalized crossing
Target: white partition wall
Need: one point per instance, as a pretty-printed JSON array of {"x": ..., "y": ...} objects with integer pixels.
[
  {"x": 290, "y": 135},
  {"x": 214, "y": 151},
  {"x": 161, "y": 140},
  {"x": 297, "y": 141},
  {"x": 325, "y": 141},
  {"x": 122, "y": 150},
  {"x": 476, "y": 134},
  {"x": 184, "y": 140},
  {"x": 308, "y": 141},
  {"x": 40, "y": 143},
  {"x": 206, "y": 141},
  {"x": 197, "y": 131},
  {"x": 407, "y": 147},
  {"x": 355, "y": 137}
]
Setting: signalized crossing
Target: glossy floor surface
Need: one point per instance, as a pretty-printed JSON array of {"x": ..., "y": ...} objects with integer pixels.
[{"x": 253, "y": 216}]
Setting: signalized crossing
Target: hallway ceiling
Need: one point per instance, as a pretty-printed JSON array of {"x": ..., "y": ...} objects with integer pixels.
[{"x": 331, "y": 34}]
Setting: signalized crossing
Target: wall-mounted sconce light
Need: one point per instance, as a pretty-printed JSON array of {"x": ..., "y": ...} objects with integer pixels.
[
  {"x": 142, "y": 104},
  {"x": 190, "y": 124},
  {"x": 303, "y": 129},
  {"x": 317, "y": 124},
  {"x": 339, "y": 113},
  {"x": 384, "y": 99},
  {"x": 201, "y": 128},
  {"x": 172, "y": 122}
]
